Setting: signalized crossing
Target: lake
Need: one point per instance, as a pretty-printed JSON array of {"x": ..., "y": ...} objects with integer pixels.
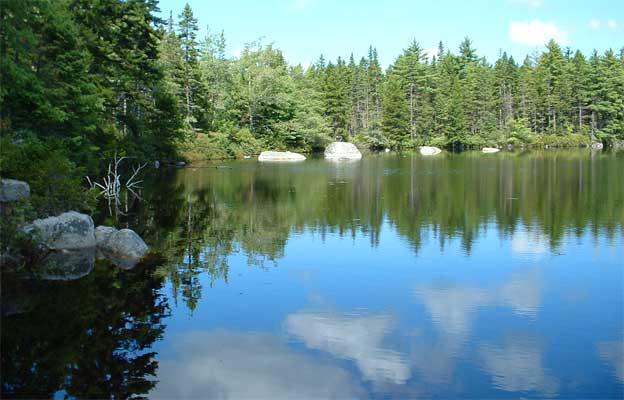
[{"x": 397, "y": 276}]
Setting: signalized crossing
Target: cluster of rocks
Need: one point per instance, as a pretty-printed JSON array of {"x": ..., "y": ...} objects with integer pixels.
[
  {"x": 336, "y": 151},
  {"x": 73, "y": 241}
]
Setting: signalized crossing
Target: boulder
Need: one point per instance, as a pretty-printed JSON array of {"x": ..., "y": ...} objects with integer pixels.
[
  {"x": 342, "y": 151},
  {"x": 596, "y": 145},
  {"x": 70, "y": 230},
  {"x": 12, "y": 190},
  {"x": 122, "y": 244},
  {"x": 490, "y": 150},
  {"x": 102, "y": 233},
  {"x": 280, "y": 156},
  {"x": 429, "y": 151}
]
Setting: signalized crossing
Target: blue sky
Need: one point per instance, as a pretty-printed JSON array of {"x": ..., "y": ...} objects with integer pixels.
[{"x": 303, "y": 29}]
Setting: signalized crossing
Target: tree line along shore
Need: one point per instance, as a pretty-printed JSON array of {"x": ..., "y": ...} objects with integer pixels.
[{"x": 83, "y": 80}]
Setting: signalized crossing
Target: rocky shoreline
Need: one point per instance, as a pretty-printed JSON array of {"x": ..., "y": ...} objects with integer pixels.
[{"x": 71, "y": 240}]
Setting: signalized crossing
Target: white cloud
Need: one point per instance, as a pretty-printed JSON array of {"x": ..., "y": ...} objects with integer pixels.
[
  {"x": 529, "y": 3},
  {"x": 594, "y": 24},
  {"x": 354, "y": 337},
  {"x": 245, "y": 365},
  {"x": 536, "y": 33},
  {"x": 612, "y": 24}
]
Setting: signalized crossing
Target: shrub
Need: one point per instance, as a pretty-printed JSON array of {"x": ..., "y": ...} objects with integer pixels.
[{"x": 57, "y": 184}]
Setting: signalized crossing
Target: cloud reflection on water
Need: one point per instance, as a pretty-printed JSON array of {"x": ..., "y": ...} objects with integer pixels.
[
  {"x": 227, "y": 364},
  {"x": 613, "y": 353},
  {"x": 517, "y": 367},
  {"x": 354, "y": 337},
  {"x": 453, "y": 307}
]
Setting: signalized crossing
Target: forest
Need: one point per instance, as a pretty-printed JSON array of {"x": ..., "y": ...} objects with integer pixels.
[{"x": 83, "y": 79}]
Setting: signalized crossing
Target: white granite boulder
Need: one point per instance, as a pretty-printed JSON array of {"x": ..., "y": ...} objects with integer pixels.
[
  {"x": 70, "y": 230},
  {"x": 429, "y": 151},
  {"x": 280, "y": 156},
  {"x": 120, "y": 244},
  {"x": 342, "y": 151}
]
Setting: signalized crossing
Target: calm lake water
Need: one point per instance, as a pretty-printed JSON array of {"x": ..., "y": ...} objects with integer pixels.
[{"x": 397, "y": 276}]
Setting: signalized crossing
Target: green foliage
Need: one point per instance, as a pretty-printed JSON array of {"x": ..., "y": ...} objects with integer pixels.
[
  {"x": 79, "y": 81},
  {"x": 569, "y": 140},
  {"x": 243, "y": 143},
  {"x": 56, "y": 183},
  {"x": 517, "y": 132},
  {"x": 220, "y": 145},
  {"x": 16, "y": 246},
  {"x": 394, "y": 122}
]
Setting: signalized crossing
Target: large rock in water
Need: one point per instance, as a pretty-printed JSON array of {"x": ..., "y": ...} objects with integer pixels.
[
  {"x": 123, "y": 244},
  {"x": 429, "y": 151},
  {"x": 280, "y": 156},
  {"x": 70, "y": 230},
  {"x": 342, "y": 151},
  {"x": 490, "y": 150},
  {"x": 12, "y": 190}
]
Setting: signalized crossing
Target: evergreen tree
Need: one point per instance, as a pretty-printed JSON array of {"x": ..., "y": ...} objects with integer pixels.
[
  {"x": 335, "y": 91},
  {"x": 396, "y": 123},
  {"x": 374, "y": 81},
  {"x": 187, "y": 34},
  {"x": 579, "y": 75},
  {"x": 412, "y": 73}
]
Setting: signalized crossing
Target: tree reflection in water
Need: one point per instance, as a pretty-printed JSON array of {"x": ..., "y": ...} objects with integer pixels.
[
  {"x": 197, "y": 217},
  {"x": 89, "y": 338}
]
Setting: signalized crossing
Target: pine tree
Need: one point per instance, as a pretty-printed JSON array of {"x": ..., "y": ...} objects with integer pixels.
[
  {"x": 335, "y": 91},
  {"x": 412, "y": 73},
  {"x": 396, "y": 123},
  {"x": 551, "y": 69},
  {"x": 579, "y": 75},
  {"x": 607, "y": 89},
  {"x": 187, "y": 34},
  {"x": 374, "y": 81}
]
